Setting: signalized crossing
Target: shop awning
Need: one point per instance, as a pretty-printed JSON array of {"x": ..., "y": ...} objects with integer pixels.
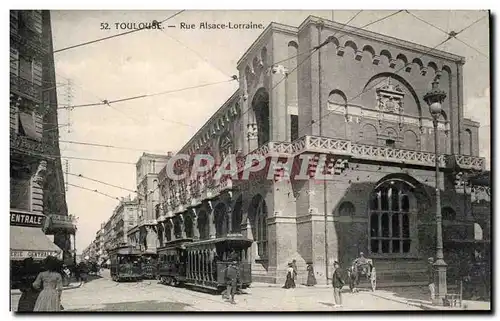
[{"x": 26, "y": 242}]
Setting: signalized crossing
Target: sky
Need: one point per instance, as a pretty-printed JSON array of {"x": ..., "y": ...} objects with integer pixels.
[{"x": 153, "y": 61}]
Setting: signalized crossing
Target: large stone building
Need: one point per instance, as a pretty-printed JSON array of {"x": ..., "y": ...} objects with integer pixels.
[
  {"x": 357, "y": 103},
  {"x": 37, "y": 196},
  {"x": 148, "y": 167}
]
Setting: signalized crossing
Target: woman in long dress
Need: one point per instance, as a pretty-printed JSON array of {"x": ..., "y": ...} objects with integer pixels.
[
  {"x": 50, "y": 281},
  {"x": 311, "y": 279},
  {"x": 289, "y": 283}
]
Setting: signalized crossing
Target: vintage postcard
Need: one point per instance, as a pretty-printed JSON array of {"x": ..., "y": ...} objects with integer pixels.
[{"x": 183, "y": 160}]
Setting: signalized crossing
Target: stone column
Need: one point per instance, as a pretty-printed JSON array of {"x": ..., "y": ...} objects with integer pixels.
[
  {"x": 194, "y": 217},
  {"x": 171, "y": 228},
  {"x": 211, "y": 221},
  {"x": 252, "y": 136},
  {"x": 182, "y": 222},
  {"x": 229, "y": 213}
]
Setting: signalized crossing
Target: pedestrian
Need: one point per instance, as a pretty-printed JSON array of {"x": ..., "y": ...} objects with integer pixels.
[
  {"x": 232, "y": 277},
  {"x": 311, "y": 279},
  {"x": 29, "y": 295},
  {"x": 338, "y": 284},
  {"x": 289, "y": 283},
  {"x": 50, "y": 282},
  {"x": 295, "y": 271},
  {"x": 431, "y": 275}
]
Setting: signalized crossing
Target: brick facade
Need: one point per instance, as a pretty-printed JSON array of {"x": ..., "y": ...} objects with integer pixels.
[{"x": 359, "y": 102}]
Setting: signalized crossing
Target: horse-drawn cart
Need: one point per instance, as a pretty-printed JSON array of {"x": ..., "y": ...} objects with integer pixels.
[{"x": 362, "y": 274}]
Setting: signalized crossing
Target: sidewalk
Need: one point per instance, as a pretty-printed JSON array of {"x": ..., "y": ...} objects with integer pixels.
[
  {"x": 15, "y": 294},
  {"x": 418, "y": 297}
]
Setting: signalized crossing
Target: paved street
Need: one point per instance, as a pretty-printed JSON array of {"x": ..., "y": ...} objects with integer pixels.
[{"x": 105, "y": 295}]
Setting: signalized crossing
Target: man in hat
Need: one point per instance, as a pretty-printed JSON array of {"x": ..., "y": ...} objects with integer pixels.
[
  {"x": 338, "y": 284},
  {"x": 431, "y": 276},
  {"x": 232, "y": 276}
]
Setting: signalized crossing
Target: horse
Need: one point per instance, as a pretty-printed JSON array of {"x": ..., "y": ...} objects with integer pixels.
[{"x": 356, "y": 272}]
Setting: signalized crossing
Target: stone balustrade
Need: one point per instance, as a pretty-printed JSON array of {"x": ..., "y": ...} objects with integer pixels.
[{"x": 207, "y": 187}]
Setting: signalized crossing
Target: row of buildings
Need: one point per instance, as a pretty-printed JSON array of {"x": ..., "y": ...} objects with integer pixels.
[
  {"x": 114, "y": 231},
  {"x": 358, "y": 102},
  {"x": 37, "y": 195}
]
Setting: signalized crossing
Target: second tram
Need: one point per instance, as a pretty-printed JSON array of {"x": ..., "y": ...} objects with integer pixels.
[
  {"x": 125, "y": 263},
  {"x": 203, "y": 263}
]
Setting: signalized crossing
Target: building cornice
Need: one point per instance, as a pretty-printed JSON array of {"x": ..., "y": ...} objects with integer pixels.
[
  {"x": 370, "y": 35},
  {"x": 272, "y": 27}
]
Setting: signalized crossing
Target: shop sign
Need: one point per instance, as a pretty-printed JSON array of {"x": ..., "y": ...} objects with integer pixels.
[
  {"x": 27, "y": 219},
  {"x": 37, "y": 255}
]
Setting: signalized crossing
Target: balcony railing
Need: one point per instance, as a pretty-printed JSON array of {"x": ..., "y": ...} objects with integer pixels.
[
  {"x": 185, "y": 195},
  {"x": 25, "y": 87},
  {"x": 24, "y": 144}
]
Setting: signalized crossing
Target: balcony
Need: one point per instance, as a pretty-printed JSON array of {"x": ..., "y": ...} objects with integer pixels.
[
  {"x": 26, "y": 145},
  {"x": 30, "y": 40},
  {"x": 25, "y": 88}
]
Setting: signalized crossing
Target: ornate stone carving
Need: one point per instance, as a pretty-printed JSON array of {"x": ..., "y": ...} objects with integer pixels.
[
  {"x": 39, "y": 176},
  {"x": 278, "y": 69},
  {"x": 392, "y": 63},
  {"x": 340, "y": 51},
  {"x": 390, "y": 98},
  {"x": 252, "y": 132},
  {"x": 376, "y": 59}
]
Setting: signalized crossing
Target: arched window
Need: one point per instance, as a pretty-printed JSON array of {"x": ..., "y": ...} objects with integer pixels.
[
  {"x": 237, "y": 216},
  {"x": 225, "y": 145},
  {"x": 347, "y": 209},
  {"x": 390, "y": 219},
  {"x": 260, "y": 105},
  {"x": 261, "y": 227}
]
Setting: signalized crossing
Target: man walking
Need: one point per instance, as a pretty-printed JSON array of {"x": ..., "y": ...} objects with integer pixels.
[
  {"x": 232, "y": 278},
  {"x": 431, "y": 274},
  {"x": 338, "y": 284}
]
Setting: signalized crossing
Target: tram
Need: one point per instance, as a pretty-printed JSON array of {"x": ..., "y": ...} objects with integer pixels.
[
  {"x": 149, "y": 266},
  {"x": 172, "y": 262},
  {"x": 203, "y": 263},
  {"x": 125, "y": 263}
]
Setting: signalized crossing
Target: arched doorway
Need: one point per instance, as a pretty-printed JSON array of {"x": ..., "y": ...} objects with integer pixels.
[
  {"x": 221, "y": 220},
  {"x": 258, "y": 220},
  {"x": 188, "y": 226},
  {"x": 260, "y": 106},
  {"x": 177, "y": 227},
  {"x": 203, "y": 225},
  {"x": 237, "y": 216},
  {"x": 393, "y": 218}
]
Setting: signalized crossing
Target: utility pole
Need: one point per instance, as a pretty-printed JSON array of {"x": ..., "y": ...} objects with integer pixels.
[
  {"x": 66, "y": 167},
  {"x": 69, "y": 98}
]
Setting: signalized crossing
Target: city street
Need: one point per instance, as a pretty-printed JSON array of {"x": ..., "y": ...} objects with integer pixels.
[{"x": 105, "y": 295}]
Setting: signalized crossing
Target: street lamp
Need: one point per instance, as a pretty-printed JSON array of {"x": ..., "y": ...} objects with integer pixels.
[{"x": 435, "y": 99}]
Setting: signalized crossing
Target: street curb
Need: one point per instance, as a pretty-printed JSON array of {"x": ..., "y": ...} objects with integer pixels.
[
  {"x": 71, "y": 287},
  {"x": 418, "y": 305}
]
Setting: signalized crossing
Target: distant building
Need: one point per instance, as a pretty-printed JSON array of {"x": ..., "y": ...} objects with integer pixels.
[{"x": 148, "y": 166}]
